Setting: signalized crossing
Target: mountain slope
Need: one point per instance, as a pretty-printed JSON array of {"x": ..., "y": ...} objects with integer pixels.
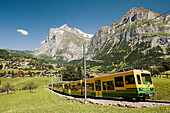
[
  {"x": 140, "y": 39},
  {"x": 64, "y": 43}
]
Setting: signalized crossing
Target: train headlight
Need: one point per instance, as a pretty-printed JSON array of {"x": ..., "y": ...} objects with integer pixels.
[
  {"x": 140, "y": 89},
  {"x": 151, "y": 88}
]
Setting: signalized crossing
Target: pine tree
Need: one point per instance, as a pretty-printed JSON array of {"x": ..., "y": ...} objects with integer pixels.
[{"x": 13, "y": 75}]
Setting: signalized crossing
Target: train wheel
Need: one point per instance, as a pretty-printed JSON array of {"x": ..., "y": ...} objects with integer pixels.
[
  {"x": 138, "y": 99},
  {"x": 143, "y": 98}
]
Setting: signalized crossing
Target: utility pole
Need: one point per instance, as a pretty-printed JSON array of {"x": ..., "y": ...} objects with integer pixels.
[
  {"x": 61, "y": 75},
  {"x": 84, "y": 55},
  {"x": 51, "y": 81}
]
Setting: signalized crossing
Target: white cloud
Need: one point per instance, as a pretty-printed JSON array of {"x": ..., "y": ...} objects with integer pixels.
[{"x": 24, "y": 32}]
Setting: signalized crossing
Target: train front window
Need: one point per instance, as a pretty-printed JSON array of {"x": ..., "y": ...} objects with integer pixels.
[
  {"x": 146, "y": 78},
  {"x": 138, "y": 77}
]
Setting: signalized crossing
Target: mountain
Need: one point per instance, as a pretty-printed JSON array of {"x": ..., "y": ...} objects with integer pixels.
[
  {"x": 141, "y": 38},
  {"x": 25, "y": 53},
  {"x": 63, "y": 43}
]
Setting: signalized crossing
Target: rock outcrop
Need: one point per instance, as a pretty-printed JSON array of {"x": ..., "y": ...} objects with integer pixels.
[
  {"x": 137, "y": 25},
  {"x": 64, "y": 43}
]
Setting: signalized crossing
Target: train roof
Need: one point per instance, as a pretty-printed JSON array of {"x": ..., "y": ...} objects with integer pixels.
[
  {"x": 111, "y": 74},
  {"x": 123, "y": 72}
]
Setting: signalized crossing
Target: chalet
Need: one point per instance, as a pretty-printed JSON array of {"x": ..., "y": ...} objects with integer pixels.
[
  {"x": 24, "y": 63},
  {"x": 46, "y": 75},
  {"x": 8, "y": 76},
  {"x": 20, "y": 68},
  {"x": 27, "y": 75},
  {"x": 20, "y": 73}
]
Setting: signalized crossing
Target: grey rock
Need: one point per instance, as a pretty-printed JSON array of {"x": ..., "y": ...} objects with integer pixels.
[
  {"x": 64, "y": 42},
  {"x": 136, "y": 26}
]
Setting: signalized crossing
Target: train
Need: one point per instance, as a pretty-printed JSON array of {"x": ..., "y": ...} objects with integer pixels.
[{"x": 128, "y": 85}]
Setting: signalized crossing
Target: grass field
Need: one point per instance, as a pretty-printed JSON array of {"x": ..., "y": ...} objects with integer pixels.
[
  {"x": 40, "y": 81},
  {"x": 162, "y": 87},
  {"x": 12, "y": 80},
  {"x": 43, "y": 101}
]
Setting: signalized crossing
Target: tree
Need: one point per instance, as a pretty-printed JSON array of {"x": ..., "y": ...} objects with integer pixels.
[
  {"x": 31, "y": 85},
  {"x": 13, "y": 75},
  {"x": 161, "y": 68},
  {"x": 23, "y": 74},
  {"x": 7, "y": 86},
  {"x": 79, "y": 74},
  {"x": 154, "y": 71},
  {"x": 9, "y": 72},
  {"x": 69, "y": 73},
  {"x": 1, "y": 66},
  {"x": 30, "y": 73},
  {"x": 4, "y": 73},
  {"x": 166, "y": 64}
]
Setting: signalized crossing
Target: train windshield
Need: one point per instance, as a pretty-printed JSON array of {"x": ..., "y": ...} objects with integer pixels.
[{"x": 146, "y": 78}]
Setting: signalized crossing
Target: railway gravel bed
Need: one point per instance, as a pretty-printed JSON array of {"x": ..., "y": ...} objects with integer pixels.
[{"x": 116, "y": 103}]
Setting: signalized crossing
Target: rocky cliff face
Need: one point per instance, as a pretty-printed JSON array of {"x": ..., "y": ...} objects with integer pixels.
[
  {"x": 140, "y": 39},
  {"x": 64, "y": 43},
  {"x": 138, "y": 25}
]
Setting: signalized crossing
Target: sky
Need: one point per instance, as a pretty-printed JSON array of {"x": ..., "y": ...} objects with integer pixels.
[{"x": 25, "y": 23}]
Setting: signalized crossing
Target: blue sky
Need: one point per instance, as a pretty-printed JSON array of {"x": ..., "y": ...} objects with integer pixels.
[{"x": 38, "y": 16}]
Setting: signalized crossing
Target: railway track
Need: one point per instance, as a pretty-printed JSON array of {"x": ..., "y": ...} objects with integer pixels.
[{"x": 116, "y": 102}]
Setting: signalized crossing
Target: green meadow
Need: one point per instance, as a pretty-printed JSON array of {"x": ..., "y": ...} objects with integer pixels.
[
  {"x": 40, "y": 81},
  {"x": 162, "y": 88},
  {"x": 42, "y": 100},
  {"x": 12, "y": 80}
]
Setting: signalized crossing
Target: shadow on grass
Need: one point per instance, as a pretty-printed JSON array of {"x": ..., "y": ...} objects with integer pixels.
[{"x": 8, "y": 93}]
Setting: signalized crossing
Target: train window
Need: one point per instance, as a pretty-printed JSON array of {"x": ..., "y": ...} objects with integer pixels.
[
  {"x": 73, "y": 88},
  {"x": 119, "y": 82},
  {"x": 104, "y": 85},
  {"x": 146, "y": 78},
  {"x": 78, "y": 84},
  {"x": 138, "y": 77},
  {"x": 83, "y": 84},
  {"x": 110, "y": 85},
  {"x": 130, "y": 79},
  {"x": 69, "y": 86},
  {"x": 98, "y": 85},
  {"x": 90, "y": 86},
  {"x": 66, "y": 87}
]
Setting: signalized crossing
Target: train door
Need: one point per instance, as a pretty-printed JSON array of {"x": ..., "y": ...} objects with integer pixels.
[{"x": 98, "y": 88}]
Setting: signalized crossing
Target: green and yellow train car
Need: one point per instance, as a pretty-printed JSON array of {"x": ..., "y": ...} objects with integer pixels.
[{"x": 128, "y": 85}]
